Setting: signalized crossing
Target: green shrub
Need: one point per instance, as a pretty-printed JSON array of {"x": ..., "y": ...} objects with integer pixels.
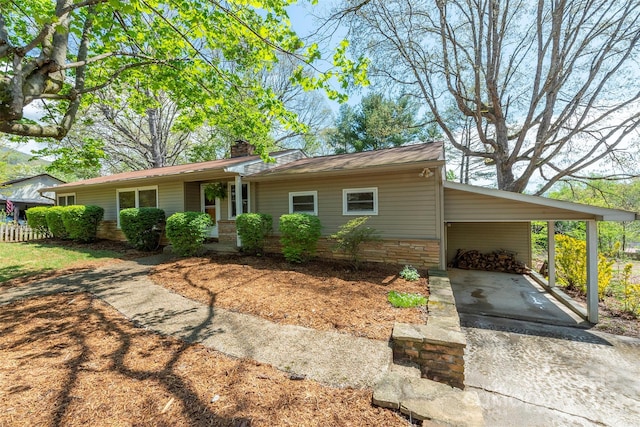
[
  {"x": 37, "y": 218},
  {"x": 187, "y": 231},
  {"x": 81, "y": 222},
  {"x": 571, "y": 266},
  {"x": 409, "y": 273},
  {"x": 353, "y": 234},
  {"x": 253, "y": 229},
  {"x": 55, "y": 223},
  {"x": 299, "y": 234},
  {"x": 406, "y": 300},
  {"x": 142, "y": 227}
]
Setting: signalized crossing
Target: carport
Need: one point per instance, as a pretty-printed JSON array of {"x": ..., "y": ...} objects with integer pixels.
[{"x": 487, "y": 219}]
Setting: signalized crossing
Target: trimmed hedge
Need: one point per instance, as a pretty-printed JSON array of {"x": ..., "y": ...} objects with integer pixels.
[
  {"x": 142, "y": 227},
  {"x": 187, "y": 231},
  {"x": 253, "y": 229},
  {"x": 81, "y": 222},
  {"x": 55, "y": 223},
  {"x": 299, "y": 234},
  {"x": 37, "y": 218}
]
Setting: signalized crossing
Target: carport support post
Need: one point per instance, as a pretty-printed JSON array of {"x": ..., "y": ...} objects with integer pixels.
[
  {"x": 592, "y": 271},
  {"x": 551, "y": 252}
]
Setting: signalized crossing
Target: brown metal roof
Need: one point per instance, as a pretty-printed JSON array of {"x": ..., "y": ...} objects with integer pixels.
[
  {"x": 389, "y": 157},
  {"x": 211, "y": 165}
]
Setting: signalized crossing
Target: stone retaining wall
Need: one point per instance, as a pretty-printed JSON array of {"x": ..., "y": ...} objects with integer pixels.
[
  {"x": 437, "y": 347},
  {"x": 419, "y": 253}
]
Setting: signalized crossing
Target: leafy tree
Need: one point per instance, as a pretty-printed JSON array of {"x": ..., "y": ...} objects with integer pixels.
[
  {"x": 608, "y": 194},
  {"x": 203, "y": 55},
  {"x": 377, "y": 123},
  {"x": 548, "y": 86}
]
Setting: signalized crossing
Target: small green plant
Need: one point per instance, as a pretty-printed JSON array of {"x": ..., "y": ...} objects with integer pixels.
[
  {"x": 142, "y": 227},
  {"x": 253, "y": 229},
  {"x": 406, "y": 300},
  {"x": 631, "y": 292},
  {"x": 187, "y": 231},
  {"x": 37, "y": 218},
  {"x": 81, "y": 222},
  {"x": 299, "y": 234},
  {"x": 352, "y": 235},
  {"x": 409, "y": 273},
  {"x": 55, "y": 223}
]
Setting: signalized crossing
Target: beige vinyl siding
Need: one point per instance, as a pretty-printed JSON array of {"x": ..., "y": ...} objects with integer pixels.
[
  {"x": 490, "y": 236},
  {"x": 104, "y": 197},
  {"x": 470, "y": 207},
  {"x": 171, "y": 197},
  {"x": 192, "y": 196},
  {"x": 406, "y": 202}
]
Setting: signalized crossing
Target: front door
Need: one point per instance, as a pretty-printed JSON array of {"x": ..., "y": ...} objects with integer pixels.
[{"x": 211, "y": 208}]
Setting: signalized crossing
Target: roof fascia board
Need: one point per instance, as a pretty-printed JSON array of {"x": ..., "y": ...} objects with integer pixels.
[
  {"x": 265, "y": 176},
  {"x": 598, "y": 213}
]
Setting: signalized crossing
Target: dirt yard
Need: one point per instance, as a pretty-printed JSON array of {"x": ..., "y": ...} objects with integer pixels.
[
  {"x": 320, "y": 295},
  {"x": 72, "y": 360}
]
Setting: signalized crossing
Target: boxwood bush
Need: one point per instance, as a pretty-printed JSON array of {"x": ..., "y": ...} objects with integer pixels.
[
  {"x": 142, "y": 227},
  {"x": 299, "y": 234},
  {"x": 253, "y": 229},
  {"x": 81, "y": 222},
  {"x": 54, "y": 222},
  {"x": 37, "y": 218},
  {"x": 187, "y": 231}
]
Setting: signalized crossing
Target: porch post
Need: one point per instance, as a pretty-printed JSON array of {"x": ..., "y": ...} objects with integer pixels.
[
  {"x": 551, "y": 252},
  {"x": 238, "y": 206},
  {"x": 592, "y": 271}
]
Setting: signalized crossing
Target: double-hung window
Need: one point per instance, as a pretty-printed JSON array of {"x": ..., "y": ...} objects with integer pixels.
[
  {"x": 360, "y": 201},
  {"x": 66, "y": 199},
  {"x": 142, "y": 197},
  {"x": 303, "y": 202}
]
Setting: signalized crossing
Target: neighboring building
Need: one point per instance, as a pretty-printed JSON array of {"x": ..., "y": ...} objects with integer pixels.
[{"x": 24, "y": 192}]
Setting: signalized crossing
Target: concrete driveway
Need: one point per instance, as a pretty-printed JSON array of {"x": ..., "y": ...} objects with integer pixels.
[{"x": 535, "y": 373}]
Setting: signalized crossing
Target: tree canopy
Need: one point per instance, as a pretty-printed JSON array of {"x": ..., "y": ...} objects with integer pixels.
[
  {"x": 377, "y": 122},
  {"x": 548, "y": 86},
  {"x": 205, "y": 55}
]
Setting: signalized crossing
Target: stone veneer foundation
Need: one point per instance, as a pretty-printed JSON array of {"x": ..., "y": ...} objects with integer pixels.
[
  {"x": 419, "y": 253},
  {"x": 437, "y": 347}
]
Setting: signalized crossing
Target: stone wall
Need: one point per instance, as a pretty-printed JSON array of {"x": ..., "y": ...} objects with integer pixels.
[
  {"x": 109, "y": 230},
  {"x": 227, "y": 232},
  {"x": 419, "y": 253},
  {"x": 437, "y": 347}
]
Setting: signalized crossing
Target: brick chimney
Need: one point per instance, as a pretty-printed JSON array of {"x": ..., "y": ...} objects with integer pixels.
[{"x": 242, "y": 148}]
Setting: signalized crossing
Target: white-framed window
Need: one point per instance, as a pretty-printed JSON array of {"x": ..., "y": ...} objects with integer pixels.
[
  {"x": 66, "y": 199},
  {"x": 303, "y": 202},
  {"x": 360, "y": 201},
  {"x": 137, "y": 197},
  {"x": 232, "y": 200}
]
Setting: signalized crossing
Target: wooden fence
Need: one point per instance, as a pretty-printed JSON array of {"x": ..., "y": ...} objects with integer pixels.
[{"x": 10, "y": 232}]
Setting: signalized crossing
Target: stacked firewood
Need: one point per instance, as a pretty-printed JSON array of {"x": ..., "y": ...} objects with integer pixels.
[{"x": 501, "y": 260}]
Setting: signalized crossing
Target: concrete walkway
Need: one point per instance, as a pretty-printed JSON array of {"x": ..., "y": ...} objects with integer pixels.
[{"x": 328, "y": 357}]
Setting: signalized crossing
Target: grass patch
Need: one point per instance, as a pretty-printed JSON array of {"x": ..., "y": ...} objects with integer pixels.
[
  {"x": 30, "y": 258},
  {"x": 406, "y": 300}
]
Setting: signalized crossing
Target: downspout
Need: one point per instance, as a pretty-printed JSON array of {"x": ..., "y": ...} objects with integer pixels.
[{"x": 441, "y": 220}]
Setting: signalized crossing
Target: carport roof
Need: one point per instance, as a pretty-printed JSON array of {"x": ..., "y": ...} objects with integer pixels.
[{"x": 488, "y": 204}]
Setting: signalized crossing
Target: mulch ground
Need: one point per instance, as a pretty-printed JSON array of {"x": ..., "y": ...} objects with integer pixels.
[
  {"x": 72, "y": 360},
  {"x": 320, "y": 294}
]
